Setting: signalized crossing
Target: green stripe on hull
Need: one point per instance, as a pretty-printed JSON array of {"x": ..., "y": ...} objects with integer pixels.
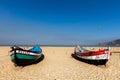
[{"x": 24, "y": 56}]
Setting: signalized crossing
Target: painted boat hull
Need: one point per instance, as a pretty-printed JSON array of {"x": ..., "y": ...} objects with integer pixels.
[
  {"x": 21, "y": 57},
  {"x": 99, "y": 57},
  {"x": 92, "y": 61},
  {"x": 24, "y": 59}
]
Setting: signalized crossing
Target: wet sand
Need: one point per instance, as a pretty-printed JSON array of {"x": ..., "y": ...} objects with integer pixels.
[{"x": 58, "y": 64}]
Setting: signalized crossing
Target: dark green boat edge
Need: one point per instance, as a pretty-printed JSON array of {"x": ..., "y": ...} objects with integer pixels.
[{"x": 24, "y": 62}]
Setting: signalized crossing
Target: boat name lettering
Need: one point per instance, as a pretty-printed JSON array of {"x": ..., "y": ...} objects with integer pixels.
[{"x": 23, "y": 52}]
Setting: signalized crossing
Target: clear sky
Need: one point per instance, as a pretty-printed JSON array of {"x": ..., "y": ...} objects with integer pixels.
[{"x": 56, "y": 22}]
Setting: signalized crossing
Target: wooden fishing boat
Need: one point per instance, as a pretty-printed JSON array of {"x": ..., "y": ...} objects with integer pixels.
[
  {"x": 23, "y": 57},
  {"x": 99, "y": 57}
]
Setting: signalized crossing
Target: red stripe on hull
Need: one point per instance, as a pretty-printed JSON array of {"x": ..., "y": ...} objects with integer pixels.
[{"x": 93, "y": 53}]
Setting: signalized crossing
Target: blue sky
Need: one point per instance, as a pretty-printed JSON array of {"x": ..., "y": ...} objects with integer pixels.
[{"x": 55, "y": 22}]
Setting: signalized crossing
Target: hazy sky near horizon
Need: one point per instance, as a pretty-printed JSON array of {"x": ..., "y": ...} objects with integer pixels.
[{"x": 59, "y": 21}]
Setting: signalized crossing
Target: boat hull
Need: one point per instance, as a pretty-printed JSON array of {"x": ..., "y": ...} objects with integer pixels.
[
  {"x": 92, "y": 61},
  {"x": 99, "y": 57},
  {"x": 24, "y": 59}
]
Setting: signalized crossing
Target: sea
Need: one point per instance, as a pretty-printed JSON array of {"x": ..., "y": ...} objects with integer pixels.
[{"x": 60, "y": 45}]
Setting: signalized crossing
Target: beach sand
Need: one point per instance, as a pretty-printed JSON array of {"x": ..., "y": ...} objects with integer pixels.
[{"x": 58, "y": 64}]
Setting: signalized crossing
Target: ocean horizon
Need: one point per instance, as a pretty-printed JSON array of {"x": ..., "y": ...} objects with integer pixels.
[{"x": 61, "y": 45}]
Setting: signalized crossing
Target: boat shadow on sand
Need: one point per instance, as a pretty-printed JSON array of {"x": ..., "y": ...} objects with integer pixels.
[
  {"x": 35, "y": 62},
  {"x": 96, "y": 63}
]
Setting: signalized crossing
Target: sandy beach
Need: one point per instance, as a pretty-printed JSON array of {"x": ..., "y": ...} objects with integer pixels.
[{"x": 58, "y": 64}]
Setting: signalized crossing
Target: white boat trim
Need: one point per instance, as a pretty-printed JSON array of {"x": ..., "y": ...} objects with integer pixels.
[
  {"x": 24, "y": 52},
  {"x": 96, "y": 57}
]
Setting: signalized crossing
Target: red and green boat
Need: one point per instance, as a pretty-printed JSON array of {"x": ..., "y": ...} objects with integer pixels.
[{"x": 99, "y": 57}]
